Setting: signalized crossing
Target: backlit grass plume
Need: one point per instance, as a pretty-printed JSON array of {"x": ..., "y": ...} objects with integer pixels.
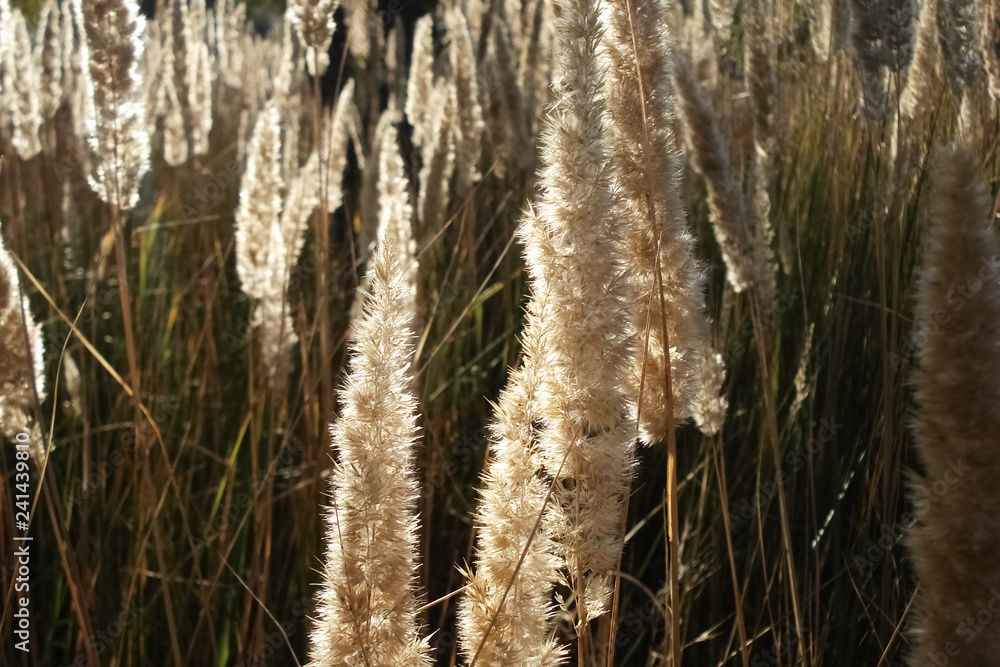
[
  {"x": 762, "y": 82},
  {"x": 116, "y": 121},
  {"x": 263, "y": 255},
  {"x": 48, "y": 60},
  {"x": 420, "y": 82},
  {"x": 395, "y": 218},
  {"x": 314, "y": 22},
  {"x": 923, "y": 70},
  {"x": 577, "y": 353},
  {"x": 21, "y": 89},
  {"x": 959, "y": 25},
  {"x": 583, "y": 305},
  {"x": 469, "y": 119},
  {"x": 439, "y": 154},
  {"x": 710, "y": 158},
  {"x": 505, "y": 616},
  {"x": 957, "y": 535},
  {"x": 22, "y": 379},
  {"x": 659, "y": 248},
  {"x": 367, "y": 601},
  {"x": 340, "y": 124}
]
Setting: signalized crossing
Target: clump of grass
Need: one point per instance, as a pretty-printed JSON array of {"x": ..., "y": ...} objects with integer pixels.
[{"x": 745, "y": 542}]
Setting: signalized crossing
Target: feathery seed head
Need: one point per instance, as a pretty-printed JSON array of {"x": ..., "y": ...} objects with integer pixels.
[
  {"x": 20, "y": 92},
  {"x": 395, "y": 213},
  {"x": 49, "y": 61},
  {"x": 659, "y": 248},
  {"x": 263, "y": 257},
  {"x": 367, "y": 601},
  {"x": 342, "y": 123},
  {"x": 464, "y": 79},
  {"x": 959, "y": 24},
  {"x": 22, "y": 379},
  {"x": 421, "y": 80},
  {"x": 923, "y": 70},
  {"x": 439, "y": 159},
  {"x": 564, "y": 416},
  {"x": 957, "y": 334},
  {"x": 314, "y": 21},
  {"x": 119, "y": 144}
]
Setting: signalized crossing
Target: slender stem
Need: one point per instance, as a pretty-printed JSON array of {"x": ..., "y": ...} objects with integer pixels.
[
  {"x": 126, "y": 300},
  {"x": 322, "y": 257}
]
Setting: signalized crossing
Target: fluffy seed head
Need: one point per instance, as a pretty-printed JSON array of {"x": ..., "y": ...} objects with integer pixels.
[
  {"x": 119, "y": 144},
  {"x": 959, "y": 24},
  {"x": 395, "y": 213},
  {"x": 469, "y": 127},
  {"x": 659, "y": 248},
  {"x": 956, "y": 424},
  {"x": 49, "y": 59},
  {"x": 263, "y": 255},
  {"x": 421, "y": 80},
  {"x": 313, "y": 19},
  {"x": 22, "y": 379},
  {"x": 367, "y": 601}
]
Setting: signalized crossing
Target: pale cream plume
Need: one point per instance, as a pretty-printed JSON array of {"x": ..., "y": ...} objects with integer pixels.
[
  {"x": 48, "y": 60},
  {"x": 119, "y": 144},
  {"x": 395, "y": 224},
  {"x": 506, "y": 613},
  {"x": 340, "y": 125},
  {"x": 420, "y": 84},
  {"x": 762, "y": 81},
  {"x": 314, "y": 21},
  {"x": 263, "y": 257},
  {"x": 175, "y": 140},
  {"x": 22, "y": 367},
  {"x": 923, "y": 71},
  {"x": 469, "y": 117},
  {"x": 820, "y": 26},
  {"x": 659, "y": 247},
  {"x": 567, "y": 411},
  {"x": 357, "y": 18},
  {"x": 68, "y": 39},
  {"x": 21, "y": 91},
  {"x": 367, "y": 601},
  {"x": 439, "y": 161}
]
